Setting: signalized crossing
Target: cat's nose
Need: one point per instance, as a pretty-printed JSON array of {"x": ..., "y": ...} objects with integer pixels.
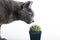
[{"x": 33, "y": 21}]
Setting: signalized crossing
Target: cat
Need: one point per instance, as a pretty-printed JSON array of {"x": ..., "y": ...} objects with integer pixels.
[{"x": 12, "y": 11}]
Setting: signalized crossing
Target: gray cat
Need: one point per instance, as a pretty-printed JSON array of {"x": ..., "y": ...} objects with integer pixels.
[{"x": 12, "y": 11}]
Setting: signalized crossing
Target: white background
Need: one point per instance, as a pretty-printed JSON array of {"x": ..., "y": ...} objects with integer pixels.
[{"x": 47, "y": 16}]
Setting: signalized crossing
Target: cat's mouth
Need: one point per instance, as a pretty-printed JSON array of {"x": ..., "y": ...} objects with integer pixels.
[{"x": 29, "y": 22}]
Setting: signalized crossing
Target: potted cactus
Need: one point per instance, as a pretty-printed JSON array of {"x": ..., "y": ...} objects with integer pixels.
[{"x": 35, "y": 32}]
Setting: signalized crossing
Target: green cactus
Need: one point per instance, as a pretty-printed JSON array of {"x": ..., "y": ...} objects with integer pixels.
[{"x": 35, "y": 28}]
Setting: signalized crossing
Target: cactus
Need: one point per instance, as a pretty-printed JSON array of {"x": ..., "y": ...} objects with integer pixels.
[{"x": 35, "y": 28}]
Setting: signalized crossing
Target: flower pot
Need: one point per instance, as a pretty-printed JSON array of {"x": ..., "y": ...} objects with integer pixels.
[{"x": 35, "y": 35}]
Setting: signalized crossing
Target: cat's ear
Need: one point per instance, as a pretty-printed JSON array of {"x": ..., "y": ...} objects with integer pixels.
[{"x": 27, "y": 4}]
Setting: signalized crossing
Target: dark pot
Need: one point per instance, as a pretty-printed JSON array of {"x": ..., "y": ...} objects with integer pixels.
[{"x": 35, "y": 35}]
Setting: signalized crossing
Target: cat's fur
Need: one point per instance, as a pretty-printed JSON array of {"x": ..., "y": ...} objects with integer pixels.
[{"x": 11, "y": 11}]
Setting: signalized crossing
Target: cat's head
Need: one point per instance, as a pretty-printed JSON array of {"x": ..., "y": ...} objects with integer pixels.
[{"x": 25, "y": 12}]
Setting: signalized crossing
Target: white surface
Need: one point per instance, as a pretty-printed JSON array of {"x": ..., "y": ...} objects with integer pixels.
[{"x": 47, "y": 15}]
